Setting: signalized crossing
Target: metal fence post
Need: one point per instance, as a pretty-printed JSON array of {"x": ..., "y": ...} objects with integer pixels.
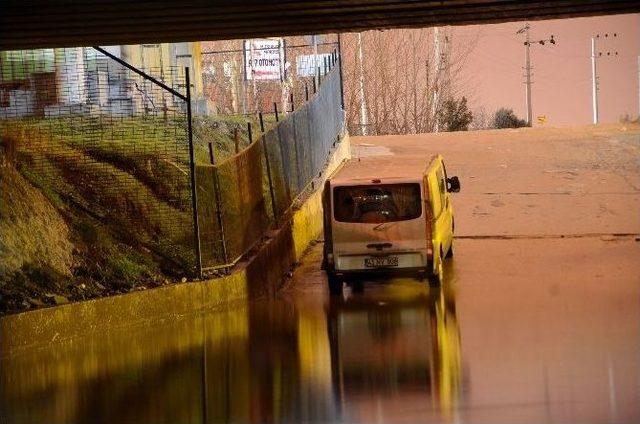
[
  {"x": 339, "y": 56},
  {"x": 274, "y": 207},
  {"x": 275, "y": 110},
  {"x": 192, "y": 166},
  {"x": 216, "y": 195},
  {"x": 296, "y": 149},
  {"x": 250, "y": 135},
  {"x": 223, "y": 238},
  {"x": 269, "y": 178},
  {"x": 311, "y": 139}
]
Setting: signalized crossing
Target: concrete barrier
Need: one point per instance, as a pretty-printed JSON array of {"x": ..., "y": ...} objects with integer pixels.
[{"x": 261, "y": 275}]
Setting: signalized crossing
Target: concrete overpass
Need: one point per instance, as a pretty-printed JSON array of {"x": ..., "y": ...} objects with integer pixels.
[{"x": 57, "y": 23}]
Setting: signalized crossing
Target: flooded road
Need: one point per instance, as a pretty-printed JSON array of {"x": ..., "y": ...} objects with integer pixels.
[
  {"x": 527, "y": 341},
  {"x": 538, "y": 319}
]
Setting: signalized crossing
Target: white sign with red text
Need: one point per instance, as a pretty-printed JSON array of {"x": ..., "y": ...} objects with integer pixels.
[{"x": 263, "y": 59}]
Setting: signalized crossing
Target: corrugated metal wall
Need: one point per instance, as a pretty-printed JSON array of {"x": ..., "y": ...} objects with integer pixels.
[{"x": 57, "y": 23}]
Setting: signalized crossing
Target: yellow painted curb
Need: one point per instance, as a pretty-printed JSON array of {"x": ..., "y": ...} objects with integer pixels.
[{"x": 307, "y": 221}]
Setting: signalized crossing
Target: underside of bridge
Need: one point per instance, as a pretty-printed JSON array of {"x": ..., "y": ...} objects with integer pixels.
[{"x": 57, "y": 23}]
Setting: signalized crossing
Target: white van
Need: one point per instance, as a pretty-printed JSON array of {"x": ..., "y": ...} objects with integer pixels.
[{"x": 383, "y": 218}]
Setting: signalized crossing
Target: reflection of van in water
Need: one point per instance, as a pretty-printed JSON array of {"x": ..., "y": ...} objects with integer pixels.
[
  {"x": 381, "y": 218},
  {"x": 393, "y": 348}
]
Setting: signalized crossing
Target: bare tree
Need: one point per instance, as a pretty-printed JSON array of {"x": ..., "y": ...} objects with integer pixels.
[
  {"x": 481, "y": 121},
  {"x": 401, "y": 76}
]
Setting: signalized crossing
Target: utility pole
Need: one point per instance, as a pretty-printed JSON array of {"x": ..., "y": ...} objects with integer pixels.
[
  {"x": 527, "y": 67},
  {"x": 528, "y": 76},
  {"x": 527, "y": 71},
  {"x": 363, "y": 102},
  {"x": 441, "y": 53},
  {"x": 594, "y": 81}
]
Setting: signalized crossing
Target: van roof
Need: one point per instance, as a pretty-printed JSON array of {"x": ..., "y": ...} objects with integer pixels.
[{"x": 363, "y": 170}]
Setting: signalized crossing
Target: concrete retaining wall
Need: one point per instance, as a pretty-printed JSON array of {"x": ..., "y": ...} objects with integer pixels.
[{"x": 262, "y": 275}]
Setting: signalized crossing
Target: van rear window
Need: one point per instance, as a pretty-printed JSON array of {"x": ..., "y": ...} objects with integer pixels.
[{"x": 377, "y": 203}]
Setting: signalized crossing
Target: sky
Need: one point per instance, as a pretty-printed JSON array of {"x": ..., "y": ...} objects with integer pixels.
[{"x": 493, "y": 74}]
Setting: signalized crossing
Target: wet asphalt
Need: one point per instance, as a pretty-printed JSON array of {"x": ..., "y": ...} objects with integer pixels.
[{"x": 538, "y": 319}]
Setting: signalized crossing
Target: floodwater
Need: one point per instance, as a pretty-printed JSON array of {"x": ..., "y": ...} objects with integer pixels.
[
  {"x": 522, "y": 343},
  {"x": 349, "y": 359},
  {"x": 538, "y": 320}
]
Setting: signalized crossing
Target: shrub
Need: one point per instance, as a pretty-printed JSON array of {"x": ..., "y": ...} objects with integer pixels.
[
  {"x": 455, "y": 115},
  {"x": 505, "y": 118}
]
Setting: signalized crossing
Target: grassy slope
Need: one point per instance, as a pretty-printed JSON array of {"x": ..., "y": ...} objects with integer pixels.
[
  {"x": 81, "y": 219},
  {"x": 52, "y": 251},
  {"x": 92, "y": 208}
]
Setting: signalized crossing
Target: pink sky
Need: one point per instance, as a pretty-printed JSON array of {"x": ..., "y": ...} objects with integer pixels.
[{"x": 493, "y": 76}]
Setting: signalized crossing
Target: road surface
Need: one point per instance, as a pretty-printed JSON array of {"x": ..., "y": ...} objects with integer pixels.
[{"x": 538, "y": 319}]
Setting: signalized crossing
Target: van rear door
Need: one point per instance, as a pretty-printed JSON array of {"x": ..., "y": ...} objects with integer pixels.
[{"x": 378, "y": 225}]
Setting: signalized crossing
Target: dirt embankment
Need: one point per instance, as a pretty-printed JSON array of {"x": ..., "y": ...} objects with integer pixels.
[
  {"x": 34, "y": 233},
  {"x": 82, "y": 218},
  {"x": 53, "y": 250}
]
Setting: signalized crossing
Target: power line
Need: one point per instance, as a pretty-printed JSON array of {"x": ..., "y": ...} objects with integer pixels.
[{"x": 294, "y": 46}]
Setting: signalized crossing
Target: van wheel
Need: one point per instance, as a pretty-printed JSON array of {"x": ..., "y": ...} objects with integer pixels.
[
  {"x": 335, "y": 285},
  {"x": 436, "y": 275}
]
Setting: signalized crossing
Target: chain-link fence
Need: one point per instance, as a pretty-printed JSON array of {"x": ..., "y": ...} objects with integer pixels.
[
  {"x": 121, "y": 145},
  {"x": 92, "y": 133},
  {"x": 299, "y": 146},
  {"x": 253, "y": 191}
]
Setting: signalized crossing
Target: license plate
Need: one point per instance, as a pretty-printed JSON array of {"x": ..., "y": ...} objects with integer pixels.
[{"x": 378, "y": 262}]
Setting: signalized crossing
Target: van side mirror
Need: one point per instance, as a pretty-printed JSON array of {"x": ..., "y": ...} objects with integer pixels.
[{"x": 453, "y": 185}]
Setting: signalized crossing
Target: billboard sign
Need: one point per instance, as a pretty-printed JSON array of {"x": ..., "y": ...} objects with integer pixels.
[
  {"x": 264, "y": 59},
  {"x": 307, "y": 64}
]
